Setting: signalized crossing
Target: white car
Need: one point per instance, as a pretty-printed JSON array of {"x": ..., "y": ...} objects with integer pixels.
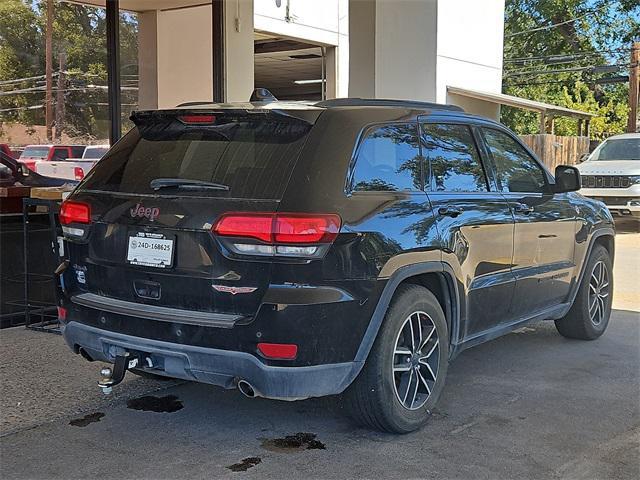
[
  {"x": 611, "y": 174},
  {"x": 73, "y": 168}
]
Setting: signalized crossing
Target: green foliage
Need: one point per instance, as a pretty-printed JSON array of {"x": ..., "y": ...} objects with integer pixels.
[
  {"x": 603, "y": 31},
  {"x": 80, "y": 32}
]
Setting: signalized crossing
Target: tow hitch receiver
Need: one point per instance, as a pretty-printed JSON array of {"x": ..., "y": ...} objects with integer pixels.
[{"x": 123, "y": 362}]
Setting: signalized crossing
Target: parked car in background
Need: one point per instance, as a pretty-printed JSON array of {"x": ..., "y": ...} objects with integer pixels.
[
  {"x": 344, "y": 247},
  {"x": 4, "y": 148},
  {"x": 33, "y": 153},
  {"x": 13, "y": 172},
  {"x": 72, "y": 168},
  {"x": 611, "y": 174}
]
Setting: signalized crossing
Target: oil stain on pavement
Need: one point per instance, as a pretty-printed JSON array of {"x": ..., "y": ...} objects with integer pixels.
[
  {"x": 87, "y": 419},
  {"x": 293, "y": 443},
  {"x": 245, "y": 464},
  {"x": 148, "y": 403}
]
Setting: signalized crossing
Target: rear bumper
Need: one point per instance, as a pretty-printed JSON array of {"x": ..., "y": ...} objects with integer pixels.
[{"x": 215, "y": 366}]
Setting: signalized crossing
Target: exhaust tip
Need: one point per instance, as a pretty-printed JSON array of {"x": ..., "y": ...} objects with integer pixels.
[
  {"x": 246, "y": 389},
  {"x": 84, "y": 354}
]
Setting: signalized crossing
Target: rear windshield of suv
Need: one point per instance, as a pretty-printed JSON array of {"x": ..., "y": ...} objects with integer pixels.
[{"x": 253, "y": 155}]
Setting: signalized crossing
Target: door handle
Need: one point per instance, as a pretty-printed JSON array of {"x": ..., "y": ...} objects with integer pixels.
[
  {"x": 450, "y": 211},
  {"x": 522, "y": 208}
]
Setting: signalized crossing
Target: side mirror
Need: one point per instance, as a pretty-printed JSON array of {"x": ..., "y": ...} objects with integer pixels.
[
  {"x": 583, "y": 157},
  {"x": 567, "y": 179}
]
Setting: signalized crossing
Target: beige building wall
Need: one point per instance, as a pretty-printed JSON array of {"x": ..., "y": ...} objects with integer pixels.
[
  {"x": 185, "y": 68},
  {"x": 393, "y": 49},
  {"x": 406, "y": 49}
]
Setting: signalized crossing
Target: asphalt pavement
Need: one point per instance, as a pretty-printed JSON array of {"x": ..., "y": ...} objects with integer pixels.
[{"x": 528, "y": 405}]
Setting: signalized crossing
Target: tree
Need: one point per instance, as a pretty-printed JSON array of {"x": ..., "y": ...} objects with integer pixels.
[
  {"x": 79, "y": 31},
  {"x": 543, "y": 37},
  {"x": 21, "y": 55}
]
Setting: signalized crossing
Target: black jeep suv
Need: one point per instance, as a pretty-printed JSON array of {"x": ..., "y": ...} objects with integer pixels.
[{"x": 345, "y": 247}]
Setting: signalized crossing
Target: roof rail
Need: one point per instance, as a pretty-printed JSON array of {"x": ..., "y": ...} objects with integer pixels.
[{"x": 382, "y": 102}]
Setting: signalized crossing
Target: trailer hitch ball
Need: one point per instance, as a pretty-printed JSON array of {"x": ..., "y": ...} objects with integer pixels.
[
  {"x": 105, "y": 382},
  {"x": 112, "y": 377}
]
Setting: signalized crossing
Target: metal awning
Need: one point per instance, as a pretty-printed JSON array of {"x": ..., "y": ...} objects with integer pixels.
[{"x": 546, "y": 109}]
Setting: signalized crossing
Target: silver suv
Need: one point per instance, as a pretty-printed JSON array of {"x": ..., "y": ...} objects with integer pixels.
[{"x": 611, "y": 174}]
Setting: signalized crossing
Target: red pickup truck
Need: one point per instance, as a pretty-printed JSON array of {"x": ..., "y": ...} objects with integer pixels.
[
  {"x": 34, "y": 153},
  {"x": 4, "y": 148}
]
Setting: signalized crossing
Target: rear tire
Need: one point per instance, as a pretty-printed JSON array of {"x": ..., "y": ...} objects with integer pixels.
[
  {"x": 589, "y": 315},
  {"x": 405, "y": 372}
]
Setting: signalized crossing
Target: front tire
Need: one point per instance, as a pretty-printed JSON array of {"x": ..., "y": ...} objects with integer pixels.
[
  {"x": 590, "y": 312},
  {"x": 406, "y": 368}
]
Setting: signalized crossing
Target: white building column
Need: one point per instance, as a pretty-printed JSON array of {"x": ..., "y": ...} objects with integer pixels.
[
  {"x": 392, "y": 50},
  {"x": 362, "y": 48},
  {"x": 406, "y": 49},
  {"x": 239, "y": 42},
  {"x": 148, "y": 60}
]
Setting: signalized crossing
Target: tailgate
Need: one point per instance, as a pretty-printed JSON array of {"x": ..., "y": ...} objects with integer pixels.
[{"x": 153, "y": 244}]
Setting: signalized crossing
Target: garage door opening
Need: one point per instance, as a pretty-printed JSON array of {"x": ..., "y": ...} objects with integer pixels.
[{"x": 290, "y": 69}]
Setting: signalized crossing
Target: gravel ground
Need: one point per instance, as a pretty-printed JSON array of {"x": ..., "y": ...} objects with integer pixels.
[
  {"x": 528, "y": 405},
  {"x": 41, "y": 381}
]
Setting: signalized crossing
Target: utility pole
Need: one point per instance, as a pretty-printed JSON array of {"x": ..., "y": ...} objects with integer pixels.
[
  {"x": 48, "y": 97},
  {"x": 634, "y": 86},
  {"x": 62, "y": 58}
]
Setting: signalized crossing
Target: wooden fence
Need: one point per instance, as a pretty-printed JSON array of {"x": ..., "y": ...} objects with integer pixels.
[{"x": 555, "y": 150}]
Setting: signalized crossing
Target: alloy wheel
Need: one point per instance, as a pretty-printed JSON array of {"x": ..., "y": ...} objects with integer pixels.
[
  {"x": 415, "y": 360},
  {"x": 598, "y": 292}
]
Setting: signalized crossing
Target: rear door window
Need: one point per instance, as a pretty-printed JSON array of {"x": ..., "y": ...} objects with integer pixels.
[
  {"x": 388, "y": 159},
  {"x": 254, "y": 157},
  {"x": 453, "y": 158}
]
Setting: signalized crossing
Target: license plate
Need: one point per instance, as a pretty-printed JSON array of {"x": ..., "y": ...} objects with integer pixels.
[{"x": 150, "y": 250}]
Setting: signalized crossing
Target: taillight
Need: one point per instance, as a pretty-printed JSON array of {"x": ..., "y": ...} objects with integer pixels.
[
  {"x": 75, "y": 212},
  {"x": 286, "y": 234},
  {"x": 78, "y": 172},
  {"x": 278, "y": 351},
  {"x": 258, "y": 226}
]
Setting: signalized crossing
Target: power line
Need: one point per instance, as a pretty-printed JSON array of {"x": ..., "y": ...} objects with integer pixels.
[
  {"x": 18, "y": 80},
  {"x": 74, "y": 89},
  {"x": 33, "y": 107},
  {"x": 567, "y": 70},
  {"x": 66, "y": 72},
  {"x": 576, "y": 54},
  {"x": 538, "y": 29}
]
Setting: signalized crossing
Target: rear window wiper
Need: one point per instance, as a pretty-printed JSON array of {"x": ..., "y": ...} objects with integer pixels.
[{"x": 186, "y": 184}]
